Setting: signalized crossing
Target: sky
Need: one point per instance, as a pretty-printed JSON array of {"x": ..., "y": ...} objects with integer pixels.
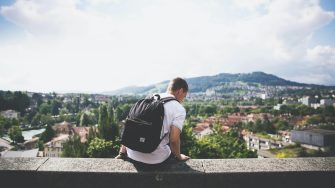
[{"x": 101, "y": 45}]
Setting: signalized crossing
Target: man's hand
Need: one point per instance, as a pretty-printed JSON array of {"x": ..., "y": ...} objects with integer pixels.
[{"x": 184, "y": 157}]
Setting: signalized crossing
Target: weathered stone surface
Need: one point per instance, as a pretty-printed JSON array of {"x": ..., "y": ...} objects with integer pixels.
[
  {"x": 74, "y": 172},
  {"x": 269, "y": 165},
  {"x": 23, "y": 164},
  {"x": 116, "y": 166},
  {"x": 87, "y": 165}
]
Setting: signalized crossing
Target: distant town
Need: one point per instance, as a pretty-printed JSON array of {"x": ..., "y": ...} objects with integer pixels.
[{"x": 265, "y": 122}]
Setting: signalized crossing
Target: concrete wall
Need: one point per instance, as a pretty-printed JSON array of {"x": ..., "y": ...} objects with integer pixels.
[{"x": 239, "y": 173}]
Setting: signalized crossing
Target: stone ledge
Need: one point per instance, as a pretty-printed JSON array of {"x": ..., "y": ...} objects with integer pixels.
[{"x": 79, "y": 172}]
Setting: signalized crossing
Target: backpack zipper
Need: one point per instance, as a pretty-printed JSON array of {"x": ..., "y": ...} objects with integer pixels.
[{"x": 140, "y": 121}]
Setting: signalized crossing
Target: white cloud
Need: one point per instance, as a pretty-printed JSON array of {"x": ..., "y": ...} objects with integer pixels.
[
  {"x": 97, "y": 45},
  {"x": 321, "y": 56}
]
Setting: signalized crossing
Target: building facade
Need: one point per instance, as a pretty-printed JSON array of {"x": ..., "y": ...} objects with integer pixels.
[{"x": 54, "y": 148}]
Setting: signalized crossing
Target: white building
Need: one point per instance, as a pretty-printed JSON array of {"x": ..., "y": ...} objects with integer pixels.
[
  {"x": 277, "y": 107},
  {"x": 264, "y": 96},
  {"x": 327, "y": 102},
  {"x": 54, "y": 148},
  {"x": 307, "y": 100}
]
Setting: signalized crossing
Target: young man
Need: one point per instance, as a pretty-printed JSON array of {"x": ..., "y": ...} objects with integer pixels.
[{"x": 174, "y": 116}]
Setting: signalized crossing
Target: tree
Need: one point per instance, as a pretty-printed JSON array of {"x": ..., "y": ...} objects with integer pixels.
[
  {"x": 259, "y": 101},
  {"x": 15, "y": 134},
  {"x": 103, "y": 123},
  {"x": 64, "y": 115},
  {"x": 121, "y": 111},
  {"x": 48, "y": 134},
  {"x": 55, "y": 106},
  {"x": 36, "y": 119},
  {"x": 74, "y": 148},
  {"x": 84, "y": 120},
  {"x": 92, "y": 133},
  {"x": 113, "y": 125},
  {"x": 221, "y": 145},
  {"x": 17, "y": 100},
  {"x": 281, "y": 125},
  {"x": 15, "y": 122},
  {"x": 329, "y": 111},
  {"x": 100, "y": 148},
  {"x": 37, "y": 98},
  {"x": 315, "y": 119},
  {"x": 188, "y": 141},
  {"x": 40, "y": 145},
  {"x": 47, "y": 119},
  {"x": 45, "y": 108},
  {"x": 2, "y": 126}
]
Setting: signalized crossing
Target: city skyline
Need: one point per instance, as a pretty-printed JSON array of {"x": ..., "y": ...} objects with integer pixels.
[{"x": 104, "y": 45}]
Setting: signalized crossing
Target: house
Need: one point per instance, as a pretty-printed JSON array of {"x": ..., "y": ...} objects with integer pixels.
[
  {"x": 257, "y": 143},
  {"x": 10, "y": 114},
  {"x": 54, "y": 148},
  {"x": 307, "y": 100},
  {"x": 202, "y": 129},
  {"x": 314, "y": 138},
  {"x": 24, "y": 153},
  {"x": 63, "y": 128},
  {"x": 30, "y": 144}
]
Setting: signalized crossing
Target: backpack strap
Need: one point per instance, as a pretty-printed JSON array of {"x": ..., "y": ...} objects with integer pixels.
[
  {"x": 168, "y": 99},
  {"x": 165, "y": 100}
]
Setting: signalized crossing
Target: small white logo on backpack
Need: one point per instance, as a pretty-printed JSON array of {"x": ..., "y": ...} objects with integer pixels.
[{"x": 142, "y": 139}]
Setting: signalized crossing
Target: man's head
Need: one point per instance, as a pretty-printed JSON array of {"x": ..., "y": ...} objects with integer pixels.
[{"x": 179, "y": 88}]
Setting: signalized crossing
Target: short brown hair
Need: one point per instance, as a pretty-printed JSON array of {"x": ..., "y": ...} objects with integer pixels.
[{"x": 176, "y": 84}]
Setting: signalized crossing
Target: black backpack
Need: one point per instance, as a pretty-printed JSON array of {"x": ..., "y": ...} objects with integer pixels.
[{"x": 144, "y": 124}]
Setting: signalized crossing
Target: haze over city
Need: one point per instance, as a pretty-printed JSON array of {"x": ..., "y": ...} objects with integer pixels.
[{"x": 103, "y": 45}]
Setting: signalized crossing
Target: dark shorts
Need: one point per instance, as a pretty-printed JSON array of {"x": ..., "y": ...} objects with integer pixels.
[{"x": 141, "y": 165}]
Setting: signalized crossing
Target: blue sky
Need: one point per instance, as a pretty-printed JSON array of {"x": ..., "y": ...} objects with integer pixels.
[{"x": 102, "y": 45}]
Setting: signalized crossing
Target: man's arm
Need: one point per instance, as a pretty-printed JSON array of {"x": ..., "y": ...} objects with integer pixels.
[{"x": 175, "y": 144}]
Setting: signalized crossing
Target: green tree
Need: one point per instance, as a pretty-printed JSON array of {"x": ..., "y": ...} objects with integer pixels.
[
  {"x": 45, "y": 108},
  {"x": 74, "y": 148},
  {"x": 55, "y": 106},
  {"x": 259, "y": 101},
  {"x": 121, "y": 111},
  {"x": 221, "y": 145},
  {"x": 40, "y": 145},
  {"x": 315, "y": 119},
  {"x": 329, "y": 111},
  {"x": 188, "y": 141},
  {"x": 100, "y": 148},
  {"x": 113, "y": 125},
  {"x": 48, "y": 134},
  {"x": 36, "y": 119},
  {"x": 2, "y": 125},
  {"x": 64, "y": 115},
  {"x": 282, "y": 125},
  {"x": 15, "y": 122},
  {"x": 47, "y": 119},
  {"x": 103, "y": 123},
  {"x": 91, "y": 134},
  {"x": 84, "y": 120},
  {"x": 15, "y": 134}
]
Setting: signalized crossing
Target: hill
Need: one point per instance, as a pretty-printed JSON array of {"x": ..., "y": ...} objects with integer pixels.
[{"x": 205, "y": 83}]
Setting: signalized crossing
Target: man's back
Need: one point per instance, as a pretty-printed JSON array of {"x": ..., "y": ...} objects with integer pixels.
[{"x": 174, "y": 114}]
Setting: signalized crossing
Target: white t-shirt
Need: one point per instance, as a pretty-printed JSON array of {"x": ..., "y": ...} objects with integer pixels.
[{"x": 174, "y": 114}]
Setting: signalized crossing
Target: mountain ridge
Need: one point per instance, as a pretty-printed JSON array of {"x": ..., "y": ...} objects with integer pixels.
[{"x": 203, "y": 83}]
